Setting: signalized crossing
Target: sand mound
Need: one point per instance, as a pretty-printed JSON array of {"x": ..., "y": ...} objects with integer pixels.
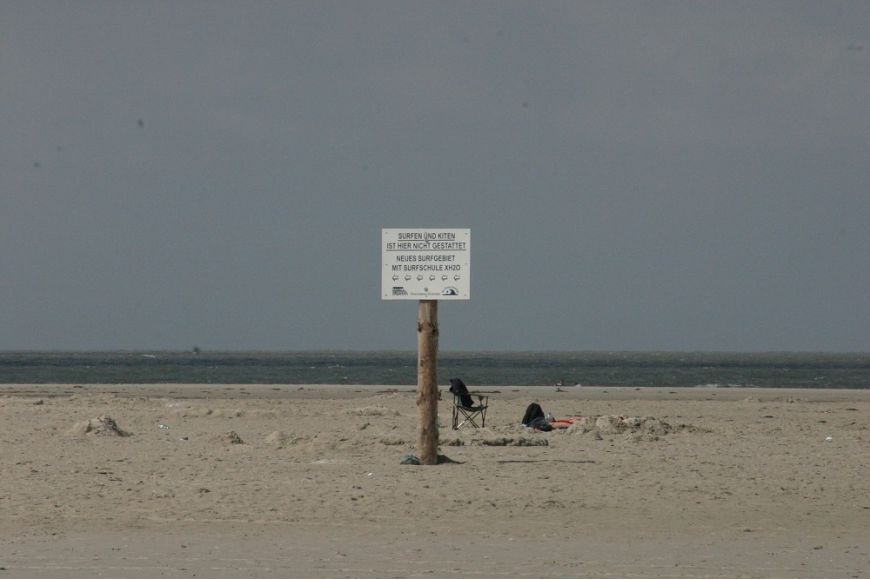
[
  {"x": 282, "y": 438},
  {"x": 277, "y": 438},
  {"x": 610, "y": 424},
  {"x": 512, "y": 442},
  {"x": 372, "y": 411},
  {"x": 103, "y": 425},
  {"x": 231, "y": 438},
  {"x": 617, "y": 424}
]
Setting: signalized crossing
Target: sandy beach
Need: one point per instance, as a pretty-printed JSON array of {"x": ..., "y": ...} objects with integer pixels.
[{"x": 306, "y": 481}]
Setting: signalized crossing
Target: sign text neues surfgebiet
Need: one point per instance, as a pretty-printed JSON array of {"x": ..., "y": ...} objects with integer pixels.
[{"x": 425, "y": 264}]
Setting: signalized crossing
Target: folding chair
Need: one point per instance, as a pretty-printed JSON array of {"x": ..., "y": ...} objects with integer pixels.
[{"x": 465, "y": 414}]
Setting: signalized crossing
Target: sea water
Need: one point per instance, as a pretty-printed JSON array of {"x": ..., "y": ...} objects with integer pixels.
[{"x": 656, "y": 369}]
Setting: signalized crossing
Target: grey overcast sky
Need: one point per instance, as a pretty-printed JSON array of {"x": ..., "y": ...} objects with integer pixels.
[{"x": 636, "y": 175}]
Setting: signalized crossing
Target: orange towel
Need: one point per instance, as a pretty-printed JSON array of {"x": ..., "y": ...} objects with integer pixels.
[{"x": 564, "y": 423}]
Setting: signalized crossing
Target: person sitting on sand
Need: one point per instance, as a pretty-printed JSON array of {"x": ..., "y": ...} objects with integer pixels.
[{"x": 536, "y": 419}]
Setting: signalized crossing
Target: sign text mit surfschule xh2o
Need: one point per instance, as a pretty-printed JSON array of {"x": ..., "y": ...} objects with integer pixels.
[{"x": 425, "y": 264}]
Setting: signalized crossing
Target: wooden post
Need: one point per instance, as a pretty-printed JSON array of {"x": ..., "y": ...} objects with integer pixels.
[{"x": 427, "y": 381}]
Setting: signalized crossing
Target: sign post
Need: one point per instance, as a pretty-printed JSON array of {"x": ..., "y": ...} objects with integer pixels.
[
  {"x": 427, "y": 381},
  {"x": 427, "y": 265}
]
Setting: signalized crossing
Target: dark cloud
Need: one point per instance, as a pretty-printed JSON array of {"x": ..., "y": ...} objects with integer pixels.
[{"x": 659, "y": 175}]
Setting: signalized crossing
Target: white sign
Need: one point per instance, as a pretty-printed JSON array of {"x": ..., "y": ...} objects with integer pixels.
[{"x": 425, "y": 264}]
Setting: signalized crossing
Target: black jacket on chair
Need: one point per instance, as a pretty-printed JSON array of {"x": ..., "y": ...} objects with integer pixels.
[{"x": 458, "y": 388}]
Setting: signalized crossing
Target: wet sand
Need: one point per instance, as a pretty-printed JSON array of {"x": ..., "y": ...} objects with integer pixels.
[{"x": 305, "y": 481}]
